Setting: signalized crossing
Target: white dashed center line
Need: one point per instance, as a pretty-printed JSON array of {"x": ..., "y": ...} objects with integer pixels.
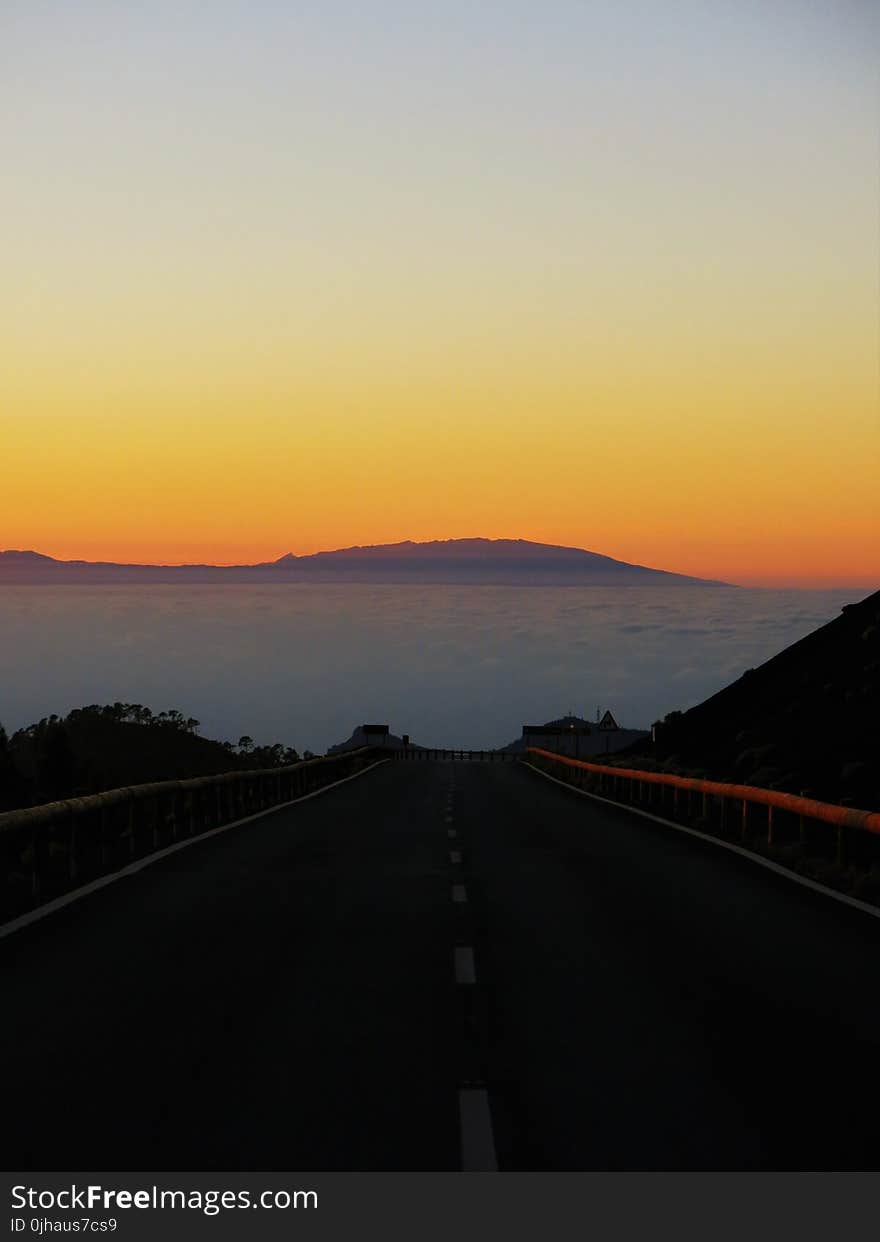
[
  {"x": 459, "y": 893},
  {"x": 465, "y": 969},
  {"x": 477, "y": 1139}
]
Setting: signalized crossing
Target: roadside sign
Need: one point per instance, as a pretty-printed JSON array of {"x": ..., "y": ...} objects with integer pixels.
[{"x": 607, "y": 724}]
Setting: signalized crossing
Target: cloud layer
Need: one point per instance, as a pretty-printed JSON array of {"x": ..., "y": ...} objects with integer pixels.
[{"x": 462, "y": 666}]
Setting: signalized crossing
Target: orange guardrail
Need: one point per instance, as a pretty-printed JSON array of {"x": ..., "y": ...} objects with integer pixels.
[{"x": 810, "y": 808}]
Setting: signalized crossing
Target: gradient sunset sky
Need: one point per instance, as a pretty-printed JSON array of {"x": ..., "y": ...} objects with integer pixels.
[{"x": 292, "y": 276}]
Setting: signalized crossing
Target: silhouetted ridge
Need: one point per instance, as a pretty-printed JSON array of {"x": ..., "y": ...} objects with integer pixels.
[
  {"x": 806, "y": 720},
  {"x": 112, "y": 746},
  {"x": 16, "y": 557},
  {"x": 515, "y": 561}
]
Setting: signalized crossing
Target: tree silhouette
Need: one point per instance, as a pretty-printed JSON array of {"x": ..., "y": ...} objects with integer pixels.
[
  {"x": 13, "y": 787},
  {"x": 104, "y": 746},
  {"x": 55, "y": 761}
]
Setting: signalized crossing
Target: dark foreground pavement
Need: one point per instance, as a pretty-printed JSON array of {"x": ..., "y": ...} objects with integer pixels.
[{"x": 284, "y": 996}]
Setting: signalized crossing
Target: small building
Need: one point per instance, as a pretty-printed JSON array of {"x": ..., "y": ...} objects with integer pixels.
[
  {"x": 563, "y": 736},
  {"x": 579, "y": 738},
  {"x": 375, "y": 734}
]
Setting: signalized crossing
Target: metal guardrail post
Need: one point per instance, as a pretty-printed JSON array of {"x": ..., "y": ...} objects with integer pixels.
[
  {"x": 802, "y": 825},
  {"x": 842, "y": 852},
  {"x": 103, "y": 835},
  {"x": 71, "y": 835},
  {"x": 38, "y": 863},
  {"x": 131, "y": 828}
]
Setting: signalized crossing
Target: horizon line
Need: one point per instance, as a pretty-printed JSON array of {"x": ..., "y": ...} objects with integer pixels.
[{"x": 764, "y": 582}]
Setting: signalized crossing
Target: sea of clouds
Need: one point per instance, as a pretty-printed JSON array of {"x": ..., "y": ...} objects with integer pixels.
[{"x": 450, "y": 665}]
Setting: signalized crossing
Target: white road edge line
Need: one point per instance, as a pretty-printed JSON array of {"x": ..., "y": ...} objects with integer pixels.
[
  {"x": 67, "y": 899},
  {"x": 475, "y": 1128},
  {"x": 803, "y": 880}
]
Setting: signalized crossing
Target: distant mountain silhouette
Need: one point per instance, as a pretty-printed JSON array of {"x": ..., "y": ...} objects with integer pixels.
[
  {"x": 28, "y": 558},
  {"x": 360, "y": 737},
  {"x": 513, "y": 561}
]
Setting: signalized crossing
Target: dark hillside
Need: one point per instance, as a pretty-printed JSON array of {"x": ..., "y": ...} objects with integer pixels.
[
  {"x": 97, "y": 748},
  {"x": 808, "y": 719}
]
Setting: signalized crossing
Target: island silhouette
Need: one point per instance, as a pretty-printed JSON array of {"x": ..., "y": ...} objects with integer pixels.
[{"x": 500, "y": 561}]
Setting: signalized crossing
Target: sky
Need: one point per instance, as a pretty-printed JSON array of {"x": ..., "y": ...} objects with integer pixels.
[{"x": 291, "y": 276}]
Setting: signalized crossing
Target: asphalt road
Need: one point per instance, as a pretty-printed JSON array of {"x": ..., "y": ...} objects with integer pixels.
[{"x": 297, "y": 994}]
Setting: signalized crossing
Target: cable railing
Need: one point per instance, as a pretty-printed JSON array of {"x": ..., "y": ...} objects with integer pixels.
[
  {"x": 746, "y": 813},
  {"x": 49, "y": 850}
]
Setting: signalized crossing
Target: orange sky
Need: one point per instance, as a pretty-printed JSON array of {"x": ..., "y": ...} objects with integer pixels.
[
  {"x": 711, "y": 506},
  {"x": 282, "y": 288}
]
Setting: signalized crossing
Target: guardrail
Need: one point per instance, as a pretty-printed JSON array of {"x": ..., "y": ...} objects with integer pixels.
[
  {"x": 425, "y": 754},
  {"x": 746, "y": 813},
  {"x": 46, "y": 851}
]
